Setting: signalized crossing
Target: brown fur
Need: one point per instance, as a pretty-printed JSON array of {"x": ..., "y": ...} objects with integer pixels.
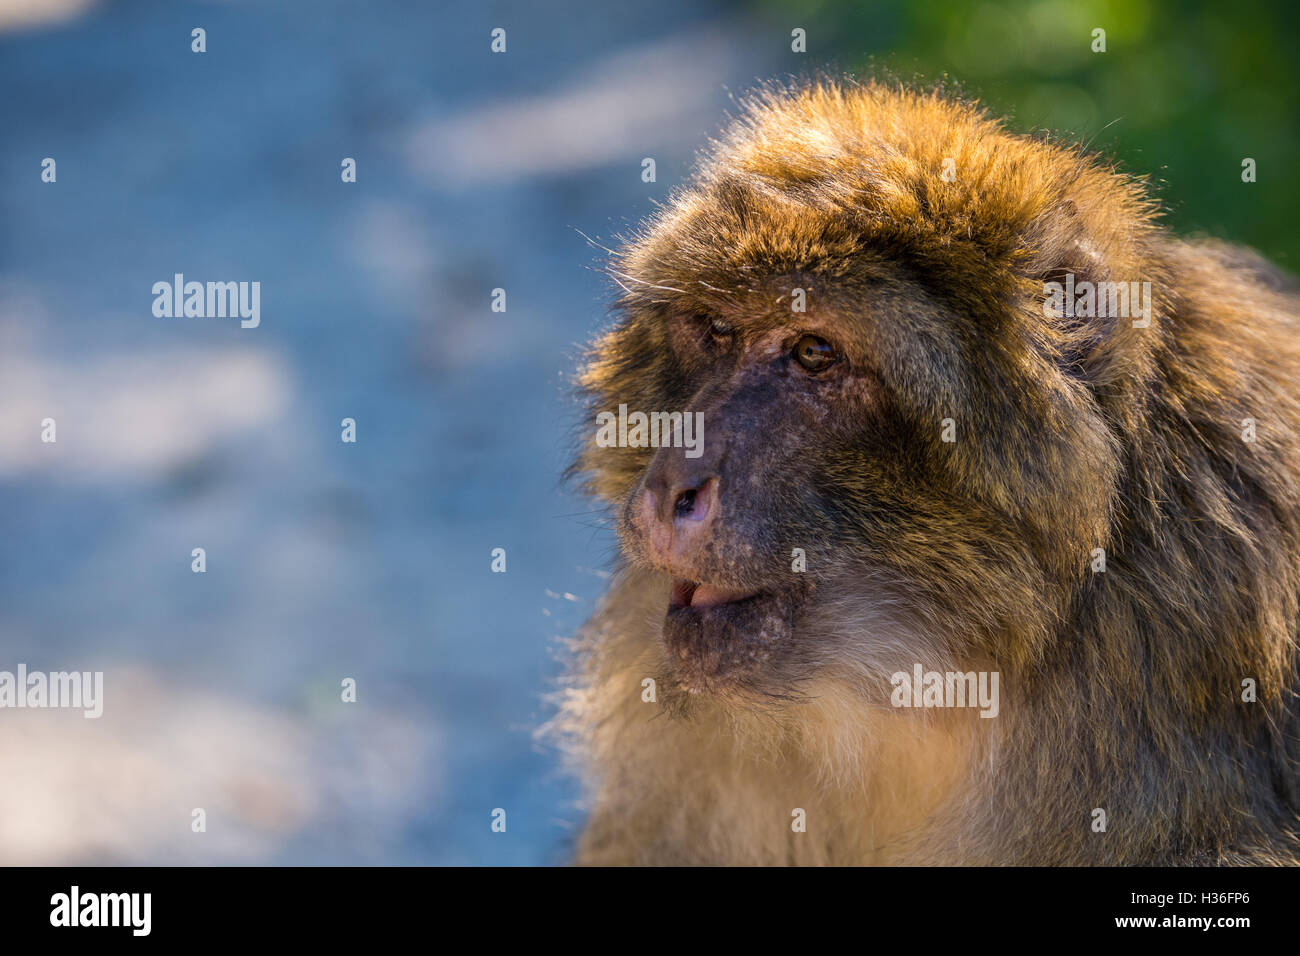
[{"x": 1120, "y": 690}]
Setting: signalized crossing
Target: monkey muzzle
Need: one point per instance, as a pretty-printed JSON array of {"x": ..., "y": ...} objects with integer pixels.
[{"x": 718, "y": 632}]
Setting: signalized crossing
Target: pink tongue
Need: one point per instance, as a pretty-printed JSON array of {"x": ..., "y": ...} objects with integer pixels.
[{"x": 707, "y": 596}]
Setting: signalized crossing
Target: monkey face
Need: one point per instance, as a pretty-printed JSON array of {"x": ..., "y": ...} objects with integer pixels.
[
  {"x": 708, "y": 516},
  {"x": 784, "y": 530}
]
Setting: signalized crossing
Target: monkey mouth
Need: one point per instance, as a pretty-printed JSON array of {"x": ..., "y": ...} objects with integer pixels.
[
  {"x": 694, "y": 594},
  {"x": 720, "y": 638}
]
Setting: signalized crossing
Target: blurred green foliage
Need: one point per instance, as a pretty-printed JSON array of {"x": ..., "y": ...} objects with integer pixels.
[{"x": 1183, "y": 93}]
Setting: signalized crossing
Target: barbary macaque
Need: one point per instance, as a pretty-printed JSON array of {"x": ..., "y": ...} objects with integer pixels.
[{"x": 967, "y": 570}]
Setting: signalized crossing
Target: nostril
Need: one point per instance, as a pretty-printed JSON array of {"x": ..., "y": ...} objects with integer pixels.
[
  {"x": 693, "y": 504},
  {"x": 685, "y": 504}
]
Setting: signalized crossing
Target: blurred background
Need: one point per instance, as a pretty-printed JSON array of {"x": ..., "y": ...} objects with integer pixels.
[{"x": 475, "y": 171}]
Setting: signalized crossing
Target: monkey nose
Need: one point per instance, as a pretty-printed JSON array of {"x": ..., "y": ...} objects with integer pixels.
[{"x": 675, "y": 520}]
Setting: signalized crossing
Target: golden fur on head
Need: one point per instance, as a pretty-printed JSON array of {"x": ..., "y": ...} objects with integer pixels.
[{"x": 1121, "y": 690}]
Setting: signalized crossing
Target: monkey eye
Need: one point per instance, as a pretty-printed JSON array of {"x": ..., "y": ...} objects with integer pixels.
[
  {"x": 721, "y": 330},
  {"x": 814, "y": 354}
]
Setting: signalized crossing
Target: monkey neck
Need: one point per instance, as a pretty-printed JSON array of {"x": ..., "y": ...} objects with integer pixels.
[
  {"x": 890, "y": 776},
  {"x": 823, "y": 781}
]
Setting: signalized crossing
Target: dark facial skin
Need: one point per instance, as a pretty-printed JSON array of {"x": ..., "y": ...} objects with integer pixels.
[{"x": 718, "y": 524}]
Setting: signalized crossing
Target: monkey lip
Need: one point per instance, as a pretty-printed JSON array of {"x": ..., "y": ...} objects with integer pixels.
[
  {"x": 694, "y": 594},
  {"x": 719, "y": 638}
]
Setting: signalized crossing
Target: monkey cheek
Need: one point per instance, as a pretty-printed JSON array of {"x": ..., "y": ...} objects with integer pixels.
[{"x": 727, "y": 646}]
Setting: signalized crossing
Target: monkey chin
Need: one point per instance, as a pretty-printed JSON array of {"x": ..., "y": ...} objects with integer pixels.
[{"x": 720, "y": 640}]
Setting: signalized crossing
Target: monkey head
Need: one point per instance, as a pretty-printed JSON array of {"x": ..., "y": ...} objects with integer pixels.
[{"x": 903, "y": 457}]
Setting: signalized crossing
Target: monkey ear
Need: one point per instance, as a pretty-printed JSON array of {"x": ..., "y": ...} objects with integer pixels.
[
  {"x": 1058, "y": 242},
  {"x": 1060, "y": 245}
]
